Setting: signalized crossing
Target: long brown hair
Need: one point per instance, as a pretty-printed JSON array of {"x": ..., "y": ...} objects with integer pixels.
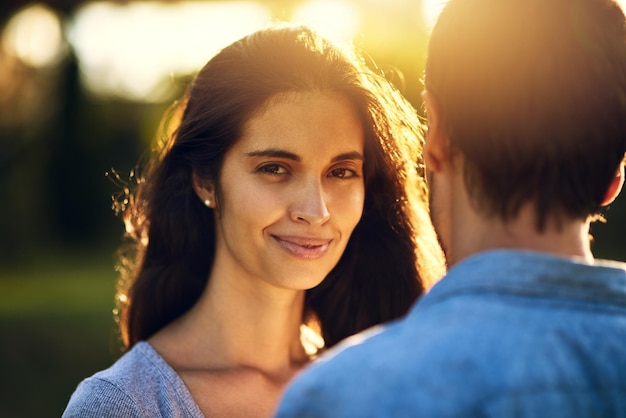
[{"x": 392, "y": 252}]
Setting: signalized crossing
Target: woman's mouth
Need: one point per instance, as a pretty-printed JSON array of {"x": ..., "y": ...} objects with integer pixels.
[{"x": 303, "y": 247}]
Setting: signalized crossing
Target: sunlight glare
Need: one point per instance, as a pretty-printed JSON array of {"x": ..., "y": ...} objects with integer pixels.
[
  {"x": 132, "y": 50},
  {"x": 35, "y": 36},
  {"x": 335, "y": 19},
  {"x": 431, "y": 10}
]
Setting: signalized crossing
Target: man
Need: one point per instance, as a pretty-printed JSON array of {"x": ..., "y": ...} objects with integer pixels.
[{"x": 526, "y": 105}]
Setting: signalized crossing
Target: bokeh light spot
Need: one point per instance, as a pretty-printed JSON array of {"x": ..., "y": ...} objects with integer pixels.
[
  {"x": 431, "y": 10},
  {"x": 34, "y": 35},
  {"x": 335, "y": 19},
  {"x": 133, "y": 50}
]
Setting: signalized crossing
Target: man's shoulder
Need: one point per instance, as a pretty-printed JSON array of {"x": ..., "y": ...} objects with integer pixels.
[
  {"x": 380, "y": 346},
  {"x": 428, "y": 339},
  {"x": 370, "y": 374},
  {"x": 471, "y": 342}
]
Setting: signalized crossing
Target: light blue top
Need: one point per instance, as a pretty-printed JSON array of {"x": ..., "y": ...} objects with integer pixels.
[
  {"x": 139, "y": 384},
  {"x": 504, "y": 334}
]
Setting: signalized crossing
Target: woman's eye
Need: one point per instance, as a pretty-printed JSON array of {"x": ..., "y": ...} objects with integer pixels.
[
  {"x": 273, "y": 169},
  {"x": 343, "y": 173}
]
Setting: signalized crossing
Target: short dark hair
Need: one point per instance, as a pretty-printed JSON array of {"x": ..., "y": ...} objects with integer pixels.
[
  {"x": 533, "y": 94},
  {"x": 392, "y": 250}
]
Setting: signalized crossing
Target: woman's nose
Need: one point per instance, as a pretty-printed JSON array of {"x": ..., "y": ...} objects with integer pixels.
[{"x": 309, "y": 204}]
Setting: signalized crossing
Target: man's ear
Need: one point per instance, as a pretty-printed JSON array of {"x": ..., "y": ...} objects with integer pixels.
[
  {"x": 615, "y": 187},
  {"x": 436, "y": 146},
  {"x": 204, "y": 190}
]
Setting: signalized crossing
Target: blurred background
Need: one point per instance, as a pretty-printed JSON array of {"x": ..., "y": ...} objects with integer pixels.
[{"x": 83, "y": 86}]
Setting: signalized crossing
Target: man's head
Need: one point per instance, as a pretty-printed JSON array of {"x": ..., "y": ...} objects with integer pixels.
[{"x": 532, "y": 95}]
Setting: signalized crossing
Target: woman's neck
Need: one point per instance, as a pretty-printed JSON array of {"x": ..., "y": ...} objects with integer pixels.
[{"x": 237, "y": 326}]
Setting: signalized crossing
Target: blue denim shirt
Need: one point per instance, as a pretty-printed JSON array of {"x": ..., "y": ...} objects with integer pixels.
[{"x": 504, "y": 334}]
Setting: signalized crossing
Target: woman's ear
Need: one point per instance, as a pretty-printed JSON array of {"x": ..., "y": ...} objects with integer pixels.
[
  {"x": 436, "y": 146},
  {"x": 615, "y": 187},
  {"x": 204, "y": 190}
]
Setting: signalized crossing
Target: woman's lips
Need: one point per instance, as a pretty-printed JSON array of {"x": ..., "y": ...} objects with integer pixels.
[{"x": 303, "y": 247}]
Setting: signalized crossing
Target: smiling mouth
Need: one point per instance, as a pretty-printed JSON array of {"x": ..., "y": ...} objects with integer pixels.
[{"x": 306, "y": 248}]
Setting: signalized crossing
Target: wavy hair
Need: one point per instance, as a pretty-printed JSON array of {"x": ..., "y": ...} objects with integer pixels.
[{"x": 392, "y": 253}]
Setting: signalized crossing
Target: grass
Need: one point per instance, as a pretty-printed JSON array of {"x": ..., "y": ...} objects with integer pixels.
[
  {"x": 70, "y": 293},
  {"x": 57, "y": 328}
]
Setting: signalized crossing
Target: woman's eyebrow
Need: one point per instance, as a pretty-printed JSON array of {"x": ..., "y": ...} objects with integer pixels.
[
  {"x": 275, "y": 152},
  {"x": 280, "y": 153},
  {"x": 354, "y": 155}
]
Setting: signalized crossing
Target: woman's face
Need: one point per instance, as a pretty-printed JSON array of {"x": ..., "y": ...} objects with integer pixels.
[{"x": 292, "y": 191}]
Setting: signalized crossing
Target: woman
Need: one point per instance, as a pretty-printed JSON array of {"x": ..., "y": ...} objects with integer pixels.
[{"x": 287, "y": 196}]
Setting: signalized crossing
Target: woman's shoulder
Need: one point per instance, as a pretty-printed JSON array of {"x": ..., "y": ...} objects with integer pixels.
[
  {"x": 140, "y": 383},
  {"x": 110, "y": 392},
  {"x": 99, "y": 397}
]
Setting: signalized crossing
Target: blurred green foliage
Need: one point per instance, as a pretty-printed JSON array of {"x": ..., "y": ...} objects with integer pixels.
[{"x": 57, "y": 328}]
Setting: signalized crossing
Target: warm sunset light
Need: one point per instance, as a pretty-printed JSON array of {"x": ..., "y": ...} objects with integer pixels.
[
  {"x": 431, "y": 10},
  {"x": 132, "y": 50},
  {"x": 93, "y": 95},
  {"x": 35, "y": 36},
  {"x": 335, "y": 19}
]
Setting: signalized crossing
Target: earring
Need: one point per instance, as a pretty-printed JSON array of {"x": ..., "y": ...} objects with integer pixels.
[{"x": 207, "y": 203}]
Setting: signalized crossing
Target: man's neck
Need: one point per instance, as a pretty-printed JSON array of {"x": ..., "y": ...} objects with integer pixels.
[{"x": 566, "y": 237}]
